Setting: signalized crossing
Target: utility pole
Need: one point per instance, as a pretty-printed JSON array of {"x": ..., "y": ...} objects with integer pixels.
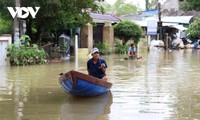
[
  {"x": 16, "y": 23},
  {"x": 159, "y": 21}
]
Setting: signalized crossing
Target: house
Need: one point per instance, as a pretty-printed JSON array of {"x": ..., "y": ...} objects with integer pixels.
[
  {"x": 172, "y": 8},
  {"x": 103, "y": 32}
]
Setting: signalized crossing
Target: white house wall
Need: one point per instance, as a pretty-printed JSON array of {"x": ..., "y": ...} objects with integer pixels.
[{"x": 5, "y": 40}]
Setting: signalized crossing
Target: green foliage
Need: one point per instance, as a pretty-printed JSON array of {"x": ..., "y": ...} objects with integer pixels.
[
  {"x": 151, "y": 5},
  {"x": 194, "y": 30},
  {"x": 34, "y": 30},
  {"x": 120, "y": 8},
  {"x": 62, "y": 47},
  {"x": 185, "y": 6},
  {"x": 5, "y": 26},
  {"x": 188, "y": 5},
  {"x": 104, "y": 48},
  {"x": 121, "y": 49},
  {"x": 127, "y": 9},
  {"x": 126, "y": 30},
  {"x": 53, "y": 15},
  {"x": 195, "y": 4},
  {"x": 25, "y": 55},
  {"x": 25, "y": 39},
  {"x": 4, "y": 11}
]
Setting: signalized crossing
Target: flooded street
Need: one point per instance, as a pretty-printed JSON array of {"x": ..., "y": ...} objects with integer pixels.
[{"x": 163, "y": 85}]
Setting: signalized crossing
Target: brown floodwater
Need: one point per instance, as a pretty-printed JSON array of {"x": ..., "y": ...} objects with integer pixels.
[{"x": 163, "y": 85}]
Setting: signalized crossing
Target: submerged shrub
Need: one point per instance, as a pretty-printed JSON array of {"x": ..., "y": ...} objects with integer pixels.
[
  {"x": 121, "y": 49},
  {"x": 25, "y": 55},
  {"x": 104, "y": 48}
]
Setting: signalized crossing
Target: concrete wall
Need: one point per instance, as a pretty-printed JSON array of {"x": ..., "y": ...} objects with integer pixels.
[
  {"x": 5, "y": 40},
  {"x": 108, "y": 34},
  {"x": 86, "y": 36}
]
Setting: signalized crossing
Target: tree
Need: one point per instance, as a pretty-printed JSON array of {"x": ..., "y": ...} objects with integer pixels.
[
  {"x": 53, "y": 15},
  {"x": 5, "y": 18},
  {"x": 188, "y": 5},
  {"x": 194, "y": 30},
  {"x": 126, "y": 30},
  {"x": 5, "y": 26},
  {"x": 120, "y": 8},
  {"x": 151, "y": 5}
]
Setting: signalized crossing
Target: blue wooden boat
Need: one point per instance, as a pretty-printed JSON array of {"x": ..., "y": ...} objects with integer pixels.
[{"x": 80, "y": 84}]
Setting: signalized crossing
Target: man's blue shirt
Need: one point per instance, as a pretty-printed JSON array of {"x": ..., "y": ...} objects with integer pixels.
[
  {"x": 95, "y": 69},
  {"x": 131, "y": 49}
]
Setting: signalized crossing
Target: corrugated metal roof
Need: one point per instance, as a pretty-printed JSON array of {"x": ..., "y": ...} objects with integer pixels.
[
  {"x": 174, "y": 19},
  {"x": 177, "y": 19},
  {"x": 150, "y": 13},
  {"x": 191, "y": 13},
  {"x": 101, "y": 18},
  {"x": 172, "y": 25}
]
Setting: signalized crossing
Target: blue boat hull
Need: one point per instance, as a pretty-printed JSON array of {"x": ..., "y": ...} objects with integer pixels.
[{"x": 86, "y": 86}]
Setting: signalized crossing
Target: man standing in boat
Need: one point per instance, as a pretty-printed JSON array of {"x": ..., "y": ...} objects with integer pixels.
[{"x": 96, "y": 66}]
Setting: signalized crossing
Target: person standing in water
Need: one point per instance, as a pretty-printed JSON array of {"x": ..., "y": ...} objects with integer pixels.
[{"x": 132, "y": 51}]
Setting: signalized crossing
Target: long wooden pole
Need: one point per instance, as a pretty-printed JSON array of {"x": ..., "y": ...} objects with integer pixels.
[{"x": 159, "y": 21}]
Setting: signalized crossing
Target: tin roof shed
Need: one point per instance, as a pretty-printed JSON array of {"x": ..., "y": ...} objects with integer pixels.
[{"x": 178, "y": 19}]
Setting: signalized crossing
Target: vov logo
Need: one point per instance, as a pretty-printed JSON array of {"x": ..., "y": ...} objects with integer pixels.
[{"x": 23, "y": 12}]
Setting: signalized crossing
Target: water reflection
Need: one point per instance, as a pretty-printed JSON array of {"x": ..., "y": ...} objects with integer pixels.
[
  {"x": 137, "y": 93},
  {"x": 153, "y": 88},
  {"x": 88, "y": 108},
  {"x": 163, "y": 85},
  {"x": 3, "y": 75}
]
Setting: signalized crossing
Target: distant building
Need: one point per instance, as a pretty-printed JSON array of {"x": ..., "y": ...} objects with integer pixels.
[
  {"x": 170, "y": 8},
  {"x": 102, "y": 32}
]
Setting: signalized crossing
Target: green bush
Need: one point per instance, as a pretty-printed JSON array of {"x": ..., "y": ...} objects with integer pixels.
[
  {"x": 127, "y": 30},
  {"x": 104, "y": 48},
  {"x": 194, "y": 30},
  {"x": 121, "y": 49},
  {"x": 5, "y": 26},
  {"x": 25, "y": 55}
]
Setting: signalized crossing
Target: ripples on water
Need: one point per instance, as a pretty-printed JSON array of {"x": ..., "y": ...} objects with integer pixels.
[{"x": 160, "y": 86}]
